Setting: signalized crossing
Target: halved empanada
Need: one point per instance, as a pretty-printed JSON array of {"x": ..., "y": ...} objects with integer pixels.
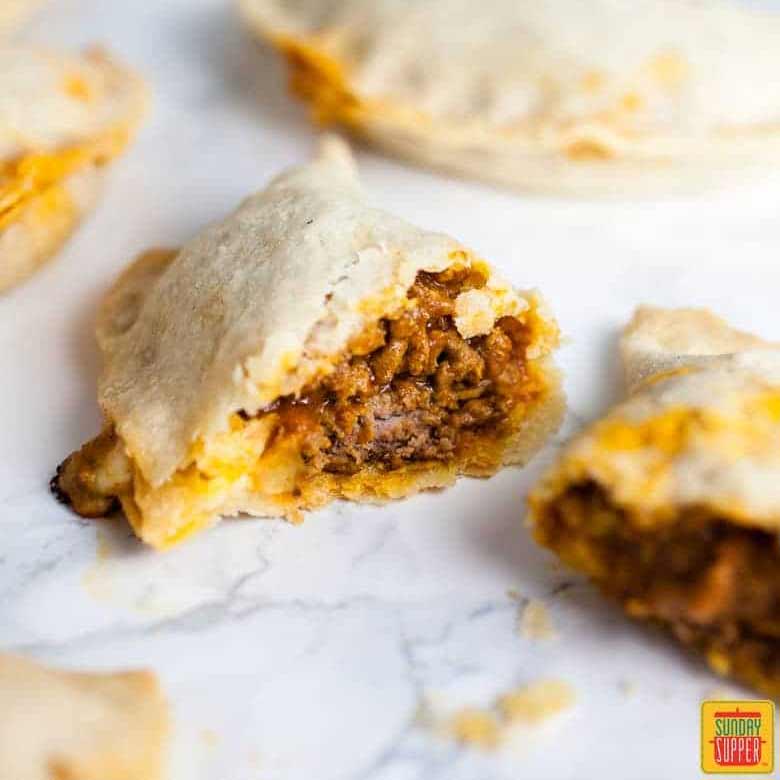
[
  {"x": 58, "y": 725},
  {"x": 309, "y": 347},
  {"x": 62, "y": 118},
  {"x": 671, "y": 503},
  {"x": 598, "y": 96}
]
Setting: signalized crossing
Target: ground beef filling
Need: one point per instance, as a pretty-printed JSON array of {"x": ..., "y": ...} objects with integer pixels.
[
  {"x": 716, "y": 585},
  {"x": 413, "y": 389}
]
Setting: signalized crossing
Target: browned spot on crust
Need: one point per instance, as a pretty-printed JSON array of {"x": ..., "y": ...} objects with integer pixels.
[
  {"x": 77, "y": 87},
  {"x": 588, "y": 149},
  {"x": 91, "y": 479}
]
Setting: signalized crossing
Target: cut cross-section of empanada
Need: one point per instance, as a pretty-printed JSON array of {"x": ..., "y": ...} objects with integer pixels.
[
  {"x": 671, "y": 503},
  {"x": 309, "y": 347},
  {"x": 64, "y": 725},
  {"x": 600, "y": 96},
  {"x": 62, "y": 119}
]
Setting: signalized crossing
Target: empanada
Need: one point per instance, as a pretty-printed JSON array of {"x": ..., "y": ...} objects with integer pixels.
[
  {"x": 671, "y": 503},
  {"x": 309, "y": 347},
  {"x": 601, "y": 96},
  {"x": 62, "y": 118},
  {"x": 58, "y": 725}
]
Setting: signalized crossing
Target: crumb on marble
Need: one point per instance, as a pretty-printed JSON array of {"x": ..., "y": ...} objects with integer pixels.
[
  {"x": 534, "y": 621},
  {"x": 479, "y": 728},
  {"x": 536, "y": 702},
  {"x": 486, "y": 729}
]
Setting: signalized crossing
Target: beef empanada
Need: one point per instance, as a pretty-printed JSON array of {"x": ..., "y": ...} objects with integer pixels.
[
  {"x": 14, "y": 13},
  {"x": 562, "y": 95},
  {"x": 62, "y": 119},
  {"x": 671, "y": 503},
  {"x": 309, "y": 347},
  {"x": 62, "y": 725}
]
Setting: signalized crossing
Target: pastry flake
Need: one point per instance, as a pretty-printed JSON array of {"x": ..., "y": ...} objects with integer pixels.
[
  {"x": 54, "y": 148},
  {"x": 60, "y": 724},
  {"x": 670, "y": 503},
  {"x": 595, "y": 97},
  {"x": 307, "y": 348}
]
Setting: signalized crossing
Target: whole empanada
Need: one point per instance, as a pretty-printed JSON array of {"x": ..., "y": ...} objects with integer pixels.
[
  {"x": 307, "y": 348},
  {"x": 603, "y": 96},
  {"x": 63, "y": 725},
  {"x": 14, "y": 13},
  {"x": 671, "y": 503},
  {"x": 62, "y": 119}
]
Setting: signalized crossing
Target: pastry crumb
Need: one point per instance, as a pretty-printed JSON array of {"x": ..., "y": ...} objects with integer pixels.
[
  {"x": 536, "y": 702},
  {"x": 487, "y": 729},
  {"x": 534, "y": 621},
  {"x": 627, "y": 687},
  {"x": 480, "y": 728}
]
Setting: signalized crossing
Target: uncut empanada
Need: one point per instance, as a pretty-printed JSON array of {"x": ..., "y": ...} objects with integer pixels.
[
  {"x": 309, "y": 347},
  {"x": 671, "y": 503},
  {"x": 597, "y": 96},
  {"x": 62, "y": 119},
  {"x": 61, "y": 725}
]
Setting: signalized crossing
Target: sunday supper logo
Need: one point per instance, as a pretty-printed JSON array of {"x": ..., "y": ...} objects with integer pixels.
[{"x": 737, "y": 737}]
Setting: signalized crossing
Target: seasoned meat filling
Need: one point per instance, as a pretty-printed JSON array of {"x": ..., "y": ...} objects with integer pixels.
[
  {"x": 714, "y": 584},
  {"x": 413, "y": 389}
]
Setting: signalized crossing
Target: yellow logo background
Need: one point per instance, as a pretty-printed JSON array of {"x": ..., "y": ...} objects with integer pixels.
[{"x": 732, "y": 732}]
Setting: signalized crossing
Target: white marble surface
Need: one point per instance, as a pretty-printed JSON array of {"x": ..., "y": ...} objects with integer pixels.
[{"x": 293, "y": 653}]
